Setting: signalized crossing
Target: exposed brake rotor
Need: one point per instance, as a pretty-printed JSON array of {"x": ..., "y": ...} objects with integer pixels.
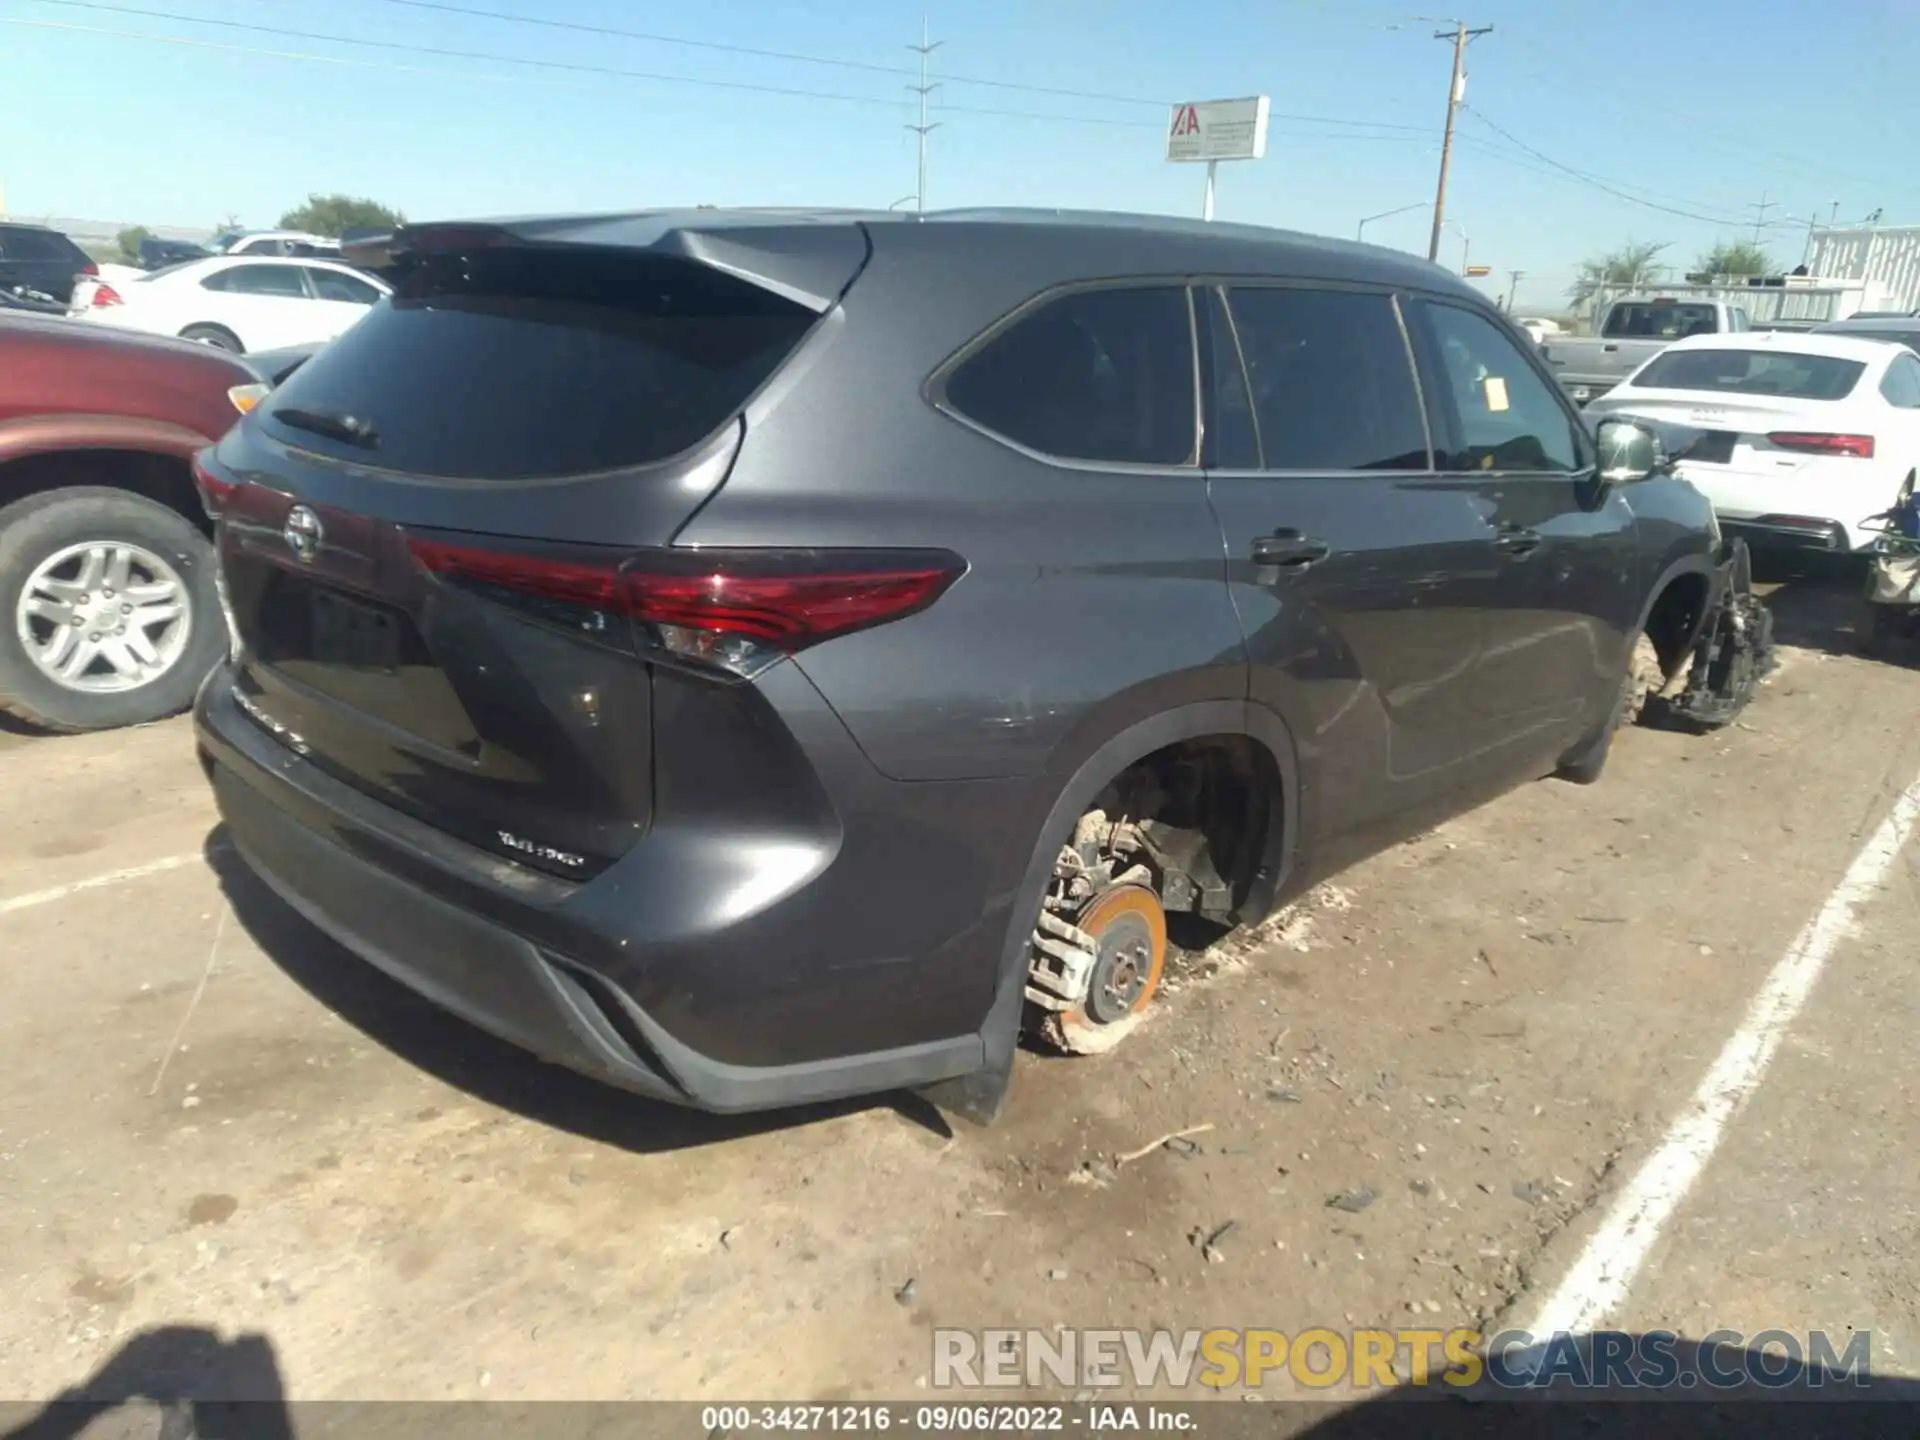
[{"x": 1126, "y": 929}]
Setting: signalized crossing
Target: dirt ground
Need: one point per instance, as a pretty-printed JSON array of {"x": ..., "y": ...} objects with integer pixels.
[{"x": 1421, "y": 1087}]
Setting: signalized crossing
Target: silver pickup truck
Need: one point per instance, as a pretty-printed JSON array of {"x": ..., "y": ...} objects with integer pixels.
[{"x": 1632, "y": 332}]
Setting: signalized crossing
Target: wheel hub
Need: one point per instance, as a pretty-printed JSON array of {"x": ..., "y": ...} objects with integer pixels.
[
  {"x": 103, "y": 617},
  {"x": 1129, "y": 931},
  {"x": 1120, "y": 974}
]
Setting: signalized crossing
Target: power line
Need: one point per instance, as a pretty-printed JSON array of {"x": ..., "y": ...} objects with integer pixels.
[
  {"x": 799, "y": 57},
  {"x": 1340, "y": 122},
  {"x": 1695, "y": 126},
  {"x": 1593, "y": 180},
  {"x": 726, "y": 48},
  {"x": 448, "y": 52}
]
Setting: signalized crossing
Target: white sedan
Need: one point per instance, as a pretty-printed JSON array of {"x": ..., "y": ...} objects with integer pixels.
[
  {"x": 237, "y": 302},
  {"x": 1804, "y": 436}
]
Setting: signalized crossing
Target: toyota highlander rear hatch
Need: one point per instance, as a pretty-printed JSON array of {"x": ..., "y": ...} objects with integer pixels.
[{"x": 428, "y": 535}]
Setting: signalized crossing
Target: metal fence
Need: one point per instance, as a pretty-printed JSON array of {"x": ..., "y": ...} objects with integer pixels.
[{"x": 1888, "y": 257}]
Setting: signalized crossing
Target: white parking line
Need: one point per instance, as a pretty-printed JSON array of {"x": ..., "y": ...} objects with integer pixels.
[
  {"x": 1593, "y": 1290},
  {"x": 112, "y": 877}
]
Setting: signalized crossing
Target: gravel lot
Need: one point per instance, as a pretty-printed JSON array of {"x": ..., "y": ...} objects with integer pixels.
[{"x": 212, "y": 1117}]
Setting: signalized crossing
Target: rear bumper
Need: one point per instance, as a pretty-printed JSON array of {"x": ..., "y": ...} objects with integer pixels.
[
  {"x": 1762, "y": 534},
  {"x": 512, "y": 952}
]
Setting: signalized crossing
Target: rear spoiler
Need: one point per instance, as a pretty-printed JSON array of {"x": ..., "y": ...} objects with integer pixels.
[{"x": 802, "y": 260}]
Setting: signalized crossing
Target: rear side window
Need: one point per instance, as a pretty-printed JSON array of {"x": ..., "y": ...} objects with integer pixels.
[
  {"x": 521, "y": 363},
  {"x": 337, "y": 285},
  {"x": 1332, "y": 382},
  {"x": 1659, "y": 320},
  {"x": 1096, "y": 375},
  {"x": 1901, "y": 385},
  {"x": 1752, "y": 372},
  {"x": 281, "y": 280}
]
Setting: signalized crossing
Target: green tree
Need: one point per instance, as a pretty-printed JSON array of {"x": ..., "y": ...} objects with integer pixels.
[
  {"x": 1734, "y": 257},
  {"x": 1630, "y": 266},
  {"x": 335, "y": 214},
  {"x": 129, "y": 242}
]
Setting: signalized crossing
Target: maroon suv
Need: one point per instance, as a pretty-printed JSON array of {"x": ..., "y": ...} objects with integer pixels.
[{"x": 109, "y": 613}]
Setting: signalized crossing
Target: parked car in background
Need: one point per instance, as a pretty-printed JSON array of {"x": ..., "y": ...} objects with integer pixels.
[
  {"x": 1538, "y": 328},
  {"x": 237, "y": 303},
  {"x": 1895, "y": 329},
  {"x": 158, "y": 254},
  {"x": 279, "y": 242},
  {"x": 754, "y": 658},
  {"x": 38, "y": 267},
  {"x": 1632, "y": 332},
  {"x": 108, "y": 609},
  {"x": 1805, "y": 436}
]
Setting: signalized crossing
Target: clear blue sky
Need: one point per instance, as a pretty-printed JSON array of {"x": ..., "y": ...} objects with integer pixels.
[{"x": 1703, "y": 106}]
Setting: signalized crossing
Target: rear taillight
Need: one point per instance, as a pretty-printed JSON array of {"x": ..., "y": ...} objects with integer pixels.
[
  {"x": 1810, "y": 442},
  {"x": 89, "y": 268},
  {"x": 732, "y": 610},
  {"x": 215, "y": 491},
  {"x": 103, "y": 296}
]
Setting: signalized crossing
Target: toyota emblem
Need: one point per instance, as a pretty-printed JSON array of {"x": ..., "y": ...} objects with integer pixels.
[{"x": 303, "y": 532}]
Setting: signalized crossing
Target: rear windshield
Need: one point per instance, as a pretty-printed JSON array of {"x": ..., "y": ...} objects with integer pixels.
[
  {"x": 1752, "y": 372},
  {"x": 519, "y": 363},
  {"x": 1658, "y": 320},
  {"x": 24, "y": 244}
]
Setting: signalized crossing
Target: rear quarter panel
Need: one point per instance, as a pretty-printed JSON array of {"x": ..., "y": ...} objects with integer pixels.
[{"x": 1092, "y": 598}]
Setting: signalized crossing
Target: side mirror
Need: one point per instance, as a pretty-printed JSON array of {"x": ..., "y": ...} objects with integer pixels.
[{"x": 1629, "y": 451}]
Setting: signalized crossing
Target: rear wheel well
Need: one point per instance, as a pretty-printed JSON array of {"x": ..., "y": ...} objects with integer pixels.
[
  {"x": 1203, "y": 809},
  {"x": 1674, "y": 617},
  {"x": 164, "y": 479}
]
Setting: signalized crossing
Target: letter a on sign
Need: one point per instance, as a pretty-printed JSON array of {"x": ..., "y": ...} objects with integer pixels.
[{"x": 1186, "y": 121}]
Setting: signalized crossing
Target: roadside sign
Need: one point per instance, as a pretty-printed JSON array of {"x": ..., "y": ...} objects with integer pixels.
[{"x": 1209, "y": 130}]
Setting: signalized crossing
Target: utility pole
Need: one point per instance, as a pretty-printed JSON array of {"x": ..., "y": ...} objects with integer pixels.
[
  {"x": 1760, "y": 214},
  {"x": 1456, "y": 91},
  {"x": 923, "y": 129},
  {"x": 1513, "y": 284}
]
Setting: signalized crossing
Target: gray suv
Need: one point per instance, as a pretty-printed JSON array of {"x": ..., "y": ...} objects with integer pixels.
[{"x": 754, "y": 657}]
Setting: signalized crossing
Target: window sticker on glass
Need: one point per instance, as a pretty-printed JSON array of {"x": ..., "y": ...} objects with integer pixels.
[{"x": 1496, "y": 392}]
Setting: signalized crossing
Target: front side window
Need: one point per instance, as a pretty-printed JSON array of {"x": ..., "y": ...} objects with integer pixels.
[
  {"x": 1505, "y": 416},
  {"x": 1095, "y": 375},
  {"x": 1333, "y": 385}
]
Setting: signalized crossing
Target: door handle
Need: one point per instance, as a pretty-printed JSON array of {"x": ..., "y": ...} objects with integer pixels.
[
  {"x": 1610, "y": 349},
  {"x": 1289, "y": 549},
  {"x": 1517, "y": 540}
]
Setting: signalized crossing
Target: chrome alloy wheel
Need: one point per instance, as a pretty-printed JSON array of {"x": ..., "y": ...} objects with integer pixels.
[{"x": 104, "y": 617}]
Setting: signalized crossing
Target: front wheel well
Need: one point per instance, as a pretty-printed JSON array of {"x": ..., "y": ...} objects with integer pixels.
[
  {"x": 1203, "y": 809},
  {"x": 1675, "y": 617},
  {"x": 164, "y": 479}
]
